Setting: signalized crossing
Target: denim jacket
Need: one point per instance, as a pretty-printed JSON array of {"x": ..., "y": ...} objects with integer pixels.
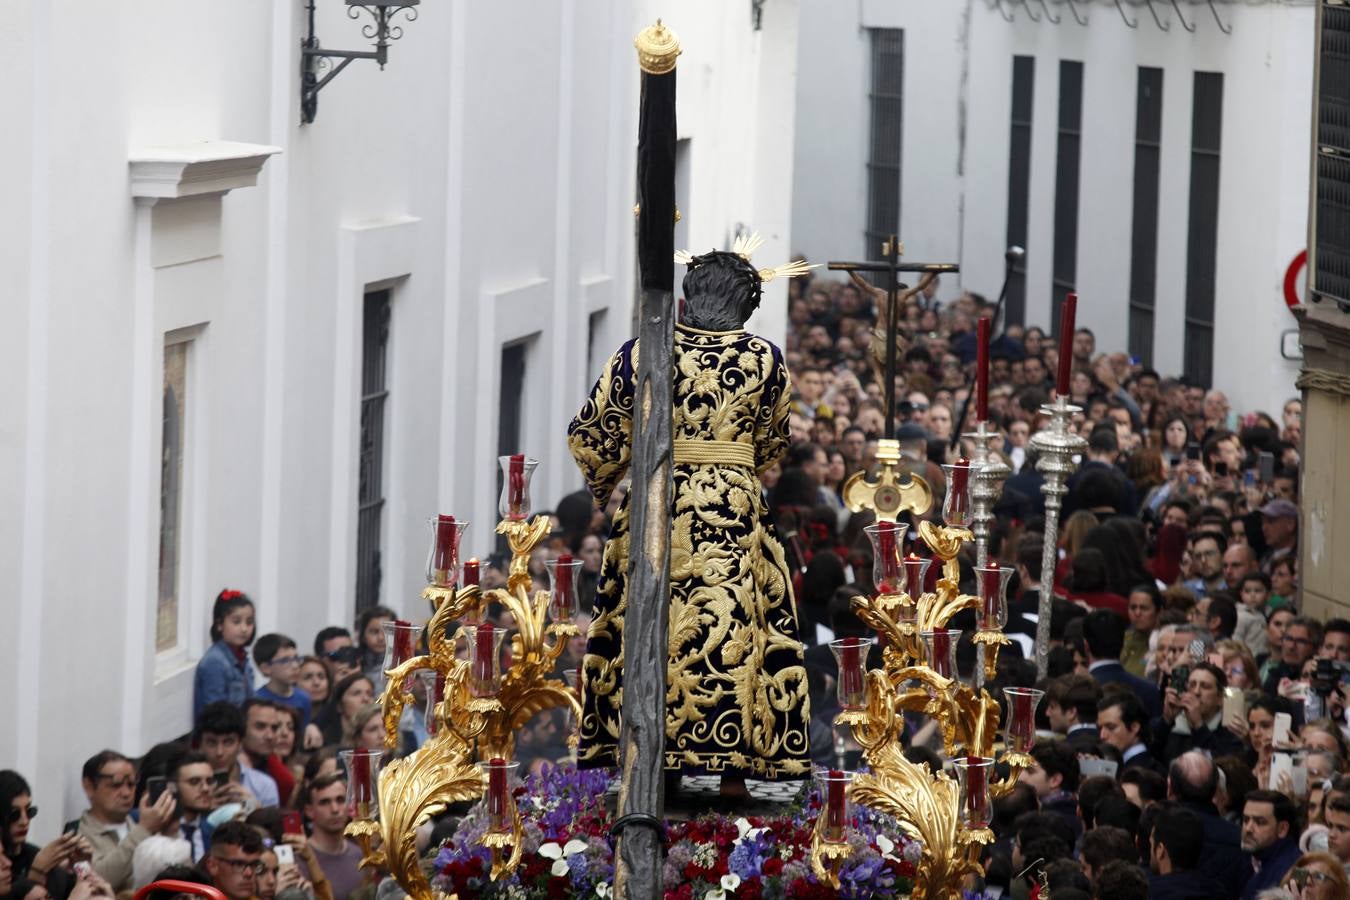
[{"x": 220, "y": 676}]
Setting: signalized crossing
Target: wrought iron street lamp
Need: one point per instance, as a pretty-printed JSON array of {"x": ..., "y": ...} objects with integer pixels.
[{"x": 314, "y": 58}]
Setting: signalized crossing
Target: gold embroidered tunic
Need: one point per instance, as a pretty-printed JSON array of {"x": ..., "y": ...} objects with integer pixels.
[{"x": 736, "y": 690}]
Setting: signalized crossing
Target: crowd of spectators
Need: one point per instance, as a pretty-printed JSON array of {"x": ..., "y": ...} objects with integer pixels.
[{"x": 1194, "y": 729}]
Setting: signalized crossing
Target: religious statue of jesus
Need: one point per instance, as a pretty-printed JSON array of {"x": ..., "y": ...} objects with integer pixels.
[{"x": 736, "y": 688}]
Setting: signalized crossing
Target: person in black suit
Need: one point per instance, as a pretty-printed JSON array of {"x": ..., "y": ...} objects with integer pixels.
[
  {"x": 1071, "y": 706},
  {"x": 1192, "y": 780},
  {"x": 1123, "y": 723},
  {"x": 1104, "y": 636}
]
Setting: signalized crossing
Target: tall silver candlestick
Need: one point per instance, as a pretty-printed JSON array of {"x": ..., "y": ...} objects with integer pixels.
[
  {"x": 1056, "y": 447},
  {"x": 990, "y": 472}
]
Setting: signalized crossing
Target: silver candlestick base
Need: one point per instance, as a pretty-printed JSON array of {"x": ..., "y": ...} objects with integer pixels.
[
  {"x": 990, "y": 472},
  {"x": 1056, "y": 446}
]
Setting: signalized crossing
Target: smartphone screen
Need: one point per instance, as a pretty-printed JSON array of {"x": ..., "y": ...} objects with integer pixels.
[
  {"x": 1193, "y": 450},
  {"x": 1221, "y": 469},
  {"x": 222, "y": 778},
  {"x": 285, "y": 854},
  {"x": 1267, "y": 466},
  {"x": 155, "y": 786}
]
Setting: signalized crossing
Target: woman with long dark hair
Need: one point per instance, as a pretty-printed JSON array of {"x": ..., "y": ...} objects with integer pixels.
[
  {"x": 31, "y": 864},
  {"x": 224, "y": 671}
]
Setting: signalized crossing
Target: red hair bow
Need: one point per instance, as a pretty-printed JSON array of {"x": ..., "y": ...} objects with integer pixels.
[{"x": 228, "y": 595}]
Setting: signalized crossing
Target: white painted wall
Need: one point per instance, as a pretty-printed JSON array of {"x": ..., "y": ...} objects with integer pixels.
[
  {"x": 954, "y": 190},
  {"x": 486, "y": 175}
]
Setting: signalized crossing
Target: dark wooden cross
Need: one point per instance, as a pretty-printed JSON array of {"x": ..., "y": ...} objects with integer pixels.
[{"x": 892, "y": 250}]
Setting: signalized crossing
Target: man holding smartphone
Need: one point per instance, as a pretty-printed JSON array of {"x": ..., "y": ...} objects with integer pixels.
[{"x": 190, "y": 776}]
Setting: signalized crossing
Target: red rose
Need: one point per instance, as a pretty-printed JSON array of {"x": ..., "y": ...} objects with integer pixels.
[
  {"x": 772, "y": 867},
  {"x": 750, "y": 889}
]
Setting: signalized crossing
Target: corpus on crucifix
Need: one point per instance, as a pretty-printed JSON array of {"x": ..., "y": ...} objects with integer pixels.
[{"x": 887, "y": 494}]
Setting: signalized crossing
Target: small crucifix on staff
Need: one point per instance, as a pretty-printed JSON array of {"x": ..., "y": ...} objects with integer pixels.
[
  {"x": 887, "y": 318},
  {"x": 888, "y": 495}
]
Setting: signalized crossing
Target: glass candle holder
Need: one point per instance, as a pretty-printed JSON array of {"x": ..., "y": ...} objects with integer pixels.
[
  {"x": 916, "y": 573},
  {"x": 563, "y": 574},
  {"x": 443, "y": 558},
  {"x": 434, "y": 682},
  {"x": 517, "y": 470},
  {"x": 1019, "y": 719},
  {"x": 851, "y": 686},
  {"x": 940, "y": 649},
  {"x": 500, "y": 806},
  {"x": 363, "y": 775},
  {"x": 835, "y": 806},
  {"x": 485, "y": 654},
  {"x": 972, "y": 776},
  {"x": 991, "y": 582},
  {"x": 888, "y": 541},
  {"x": 956, "y": 506},
  {"x": 471, "y": 574},
  {"x": 400, "y": 642}
]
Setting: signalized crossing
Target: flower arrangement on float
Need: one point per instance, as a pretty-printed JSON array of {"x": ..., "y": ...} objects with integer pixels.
[{"x": 567, "y": 851}]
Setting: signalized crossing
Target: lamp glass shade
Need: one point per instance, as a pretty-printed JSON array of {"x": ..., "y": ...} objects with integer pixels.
[
  {"x": 836, "y": 809},
  {"x": 485, "y": 654},
  {"x": 443, "y": 566},
  {"x": 851, "y": 686},
  {"x": 497, "y": 798},
  {"x": 563, "y": 575},
  {"x": 972, "y": 777},
  {"x": 517, "y": 470},
  {"x": 1019, "y": 719},
  {"x": 991, "y": 583},
  {"x": 940, "y": 650},
  {"x": 888, "y": 548},
  {"x": 957, "y": 509},
  {"x": 363, "y": 776}
]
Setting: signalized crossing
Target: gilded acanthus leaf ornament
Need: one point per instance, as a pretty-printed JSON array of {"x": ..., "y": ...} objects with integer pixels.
[{"x": 927, "y": 806}]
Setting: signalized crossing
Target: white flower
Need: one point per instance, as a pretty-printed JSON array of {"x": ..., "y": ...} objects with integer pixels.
[
  {"x": 886, "y": 846},
  {"x": 550, "y": 851},
  {"x": 559, "y": 855},
  {"x": 744, "y": 830},
  {"x": 574, "y": 847},
  {"x": 603, "y": 889},
  {"x": 715, "y": 894},
  {"x": 731, "y": 881},
  {"x": 559, "y": 868}
]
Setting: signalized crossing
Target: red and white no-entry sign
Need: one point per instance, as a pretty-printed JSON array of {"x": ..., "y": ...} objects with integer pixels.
[{"x": 1291, "y": 279}]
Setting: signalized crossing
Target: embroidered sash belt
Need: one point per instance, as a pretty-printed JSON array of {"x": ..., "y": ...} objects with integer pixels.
[{"x": 714, "y": 453}]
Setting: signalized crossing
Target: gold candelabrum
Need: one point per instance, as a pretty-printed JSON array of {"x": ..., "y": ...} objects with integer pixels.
[
  {"x": 471, "y": 725},
  {"x": 948, "y": 815}
]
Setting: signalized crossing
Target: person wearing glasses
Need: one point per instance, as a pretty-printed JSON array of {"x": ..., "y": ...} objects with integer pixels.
[
  {"x": 47, "y": 866},
  {"x": 235, "y": 860},
  {"x": 1317, "y": 876},
  {"x": 1302, "y": 637},
  {"x": 109, "y": 781},
  {"x": 279, "y": 661}
]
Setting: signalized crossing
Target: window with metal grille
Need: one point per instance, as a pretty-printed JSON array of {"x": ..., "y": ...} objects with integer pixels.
[
  {"x": 1144, "y": 231},
  {"x": 173, "y": 445},
  {"x": 883, "y": 159},
  {"x": 370, "y": 490},
  {"x": 1068, "y": 146},
  {"x": 1203, "y": 236},
  {"x": 1019, "y": 182},
  {"x": 1330, "y": 257}
]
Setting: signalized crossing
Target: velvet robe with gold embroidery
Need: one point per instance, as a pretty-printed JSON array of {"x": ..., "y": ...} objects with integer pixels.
[{"x": 736, "y": 689}]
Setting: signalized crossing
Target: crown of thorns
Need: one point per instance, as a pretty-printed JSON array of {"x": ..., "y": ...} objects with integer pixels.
[{"x": 743, "y": 247}]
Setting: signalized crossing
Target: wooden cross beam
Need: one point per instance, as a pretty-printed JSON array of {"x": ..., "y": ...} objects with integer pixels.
[{"x": 892, "y": 250}]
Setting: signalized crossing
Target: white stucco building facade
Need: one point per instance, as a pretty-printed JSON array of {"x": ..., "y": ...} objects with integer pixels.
[
  {"x": 166, "y": 217},
  {"x": 957, "y": 89}
]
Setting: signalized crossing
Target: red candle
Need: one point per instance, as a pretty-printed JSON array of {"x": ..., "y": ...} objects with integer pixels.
[
  {"x": 361, "y": 792},
  {"x": 990, "y": 578},
  {"x": 471, "y": 572},
  {"x": 982, "y": 370},
  {"x": 888, "y": 553},
  {"x": 403, "y": 642},
  {"x": 486, "y": 647},
  {"x": 958, "y": 492},
  {"x": 835, "y": 804},
  {"x": 850, "y": 667},
  {"x": 976, "y": 805},
  {"x": 497, "y": 790},
  {"x": 915, "y": 569},
  {"x": 942, "y": 648},
  {"x": 1066, "y": 324},
  {"x": 1022, "y": 728},
  {"x": 446, "y": 545},
  {"x": 516, "y": 497},
  {"x": 563, "y": 585},
  {"x": 437, "y": 696}
]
